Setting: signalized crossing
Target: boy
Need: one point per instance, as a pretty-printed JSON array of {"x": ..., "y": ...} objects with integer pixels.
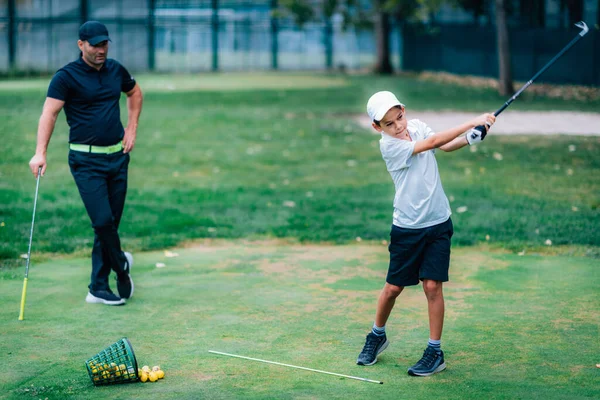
[{"x": 421, "y": 231}]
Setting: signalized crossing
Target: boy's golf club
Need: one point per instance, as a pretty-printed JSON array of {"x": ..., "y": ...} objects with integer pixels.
[
  {"x": 584, "y": 29},
  {"x": 24, "y": 294}
]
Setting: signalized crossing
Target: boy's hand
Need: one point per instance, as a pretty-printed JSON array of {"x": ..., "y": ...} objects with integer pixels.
[
  {"x": 484, "y": 119},
  {"x": 482, "y": 125}
]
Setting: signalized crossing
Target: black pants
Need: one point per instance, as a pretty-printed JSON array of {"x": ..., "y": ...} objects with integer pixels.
[{"x": 102, "y": 183}]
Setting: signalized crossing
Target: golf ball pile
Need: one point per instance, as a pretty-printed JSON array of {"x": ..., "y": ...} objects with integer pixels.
[
  {"x": 102, "y": 372},
  {"x": 150, "y": 375}
]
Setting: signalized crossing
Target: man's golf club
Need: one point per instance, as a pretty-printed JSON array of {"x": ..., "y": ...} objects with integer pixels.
[
  {"x": 24, "y": 294},
  {"x": 584, "y": 29}
]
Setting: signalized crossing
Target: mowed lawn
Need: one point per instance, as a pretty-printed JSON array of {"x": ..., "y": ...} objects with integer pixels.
[
  {"x": 279, "y": 205},
  {"x": 281, "y": 156},
  {"x": 516, "y": 326}
]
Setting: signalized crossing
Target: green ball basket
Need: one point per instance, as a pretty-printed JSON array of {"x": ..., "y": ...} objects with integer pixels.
[{"x": 115, "y": 364}]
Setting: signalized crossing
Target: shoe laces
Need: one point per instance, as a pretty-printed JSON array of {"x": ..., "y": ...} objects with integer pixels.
[
  {"x": 371, "y": 343},
  {"x": 429, "y": 356}
]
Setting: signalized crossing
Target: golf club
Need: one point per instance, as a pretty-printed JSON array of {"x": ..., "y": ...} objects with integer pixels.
[
  {"x": 584, "y": 29},
  {"x": 297, "y": 367},
  {"x": 24, "y": 294}
]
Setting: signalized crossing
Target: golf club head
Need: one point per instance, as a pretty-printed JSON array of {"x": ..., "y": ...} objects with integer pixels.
[{"x": 584, "y": 28}]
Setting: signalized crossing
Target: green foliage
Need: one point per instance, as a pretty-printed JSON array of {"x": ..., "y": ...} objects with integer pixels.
[{"x": 301, "y": 10}]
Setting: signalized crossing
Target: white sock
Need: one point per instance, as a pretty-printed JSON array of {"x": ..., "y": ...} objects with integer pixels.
[{"x": 379, "y": 331}]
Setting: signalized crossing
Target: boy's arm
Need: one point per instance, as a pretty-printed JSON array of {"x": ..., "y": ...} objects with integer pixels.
[
  {"x": 455, "y": 144},
  {"x": 441, "y": 138}
]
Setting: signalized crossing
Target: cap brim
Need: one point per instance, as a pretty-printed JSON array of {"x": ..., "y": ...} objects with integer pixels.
[
  {"x": 385, "y": 108},
  {"x": 98, "y": 39}
]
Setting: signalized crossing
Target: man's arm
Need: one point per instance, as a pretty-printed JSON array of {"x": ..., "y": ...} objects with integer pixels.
[
  {"x": 46, "y": 125},
  {"x": 134, "y": 109},
  {"x": 441, "y": 138}
]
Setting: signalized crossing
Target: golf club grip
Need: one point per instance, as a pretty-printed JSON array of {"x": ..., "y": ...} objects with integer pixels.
[{"x": 23, "y": 296}]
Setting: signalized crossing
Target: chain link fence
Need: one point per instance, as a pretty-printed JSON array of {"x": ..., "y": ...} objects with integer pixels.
[{"x": 181, "y": 36}]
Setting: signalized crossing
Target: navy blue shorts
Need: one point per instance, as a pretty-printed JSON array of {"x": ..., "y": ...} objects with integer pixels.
[{"x": 417, "y": 254}]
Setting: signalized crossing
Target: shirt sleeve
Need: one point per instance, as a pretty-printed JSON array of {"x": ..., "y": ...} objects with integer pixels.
[
  {"x": 397, "y": 154},
  {"x": 425, "y": 130},
  {"x": 59, "y": 87},
  {"x": 127, "y": 81}
]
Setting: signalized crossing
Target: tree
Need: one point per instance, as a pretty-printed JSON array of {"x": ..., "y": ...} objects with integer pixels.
[
  {"x": 533, "y": 13},
  {"x": 477, "y": 7},
  {"x": 505, "y": 82},
  {"x": 357, "y": 13},
  {"x": 383, "y": 65},
  {"x": 301, "y": 10},
  {"x": 575, "y": 8}
]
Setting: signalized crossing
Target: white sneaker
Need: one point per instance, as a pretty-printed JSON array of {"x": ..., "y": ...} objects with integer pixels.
[{"x": 104, "y": 297}]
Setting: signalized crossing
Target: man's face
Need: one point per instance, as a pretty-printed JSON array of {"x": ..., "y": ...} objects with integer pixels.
[
  {"x": 394, "y": 123},
  {"x": 94, "y": 55}
]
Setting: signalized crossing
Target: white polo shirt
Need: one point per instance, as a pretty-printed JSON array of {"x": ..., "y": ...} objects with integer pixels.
[{"x": 420, "y": 200}]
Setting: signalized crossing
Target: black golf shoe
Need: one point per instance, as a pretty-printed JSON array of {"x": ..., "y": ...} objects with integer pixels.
[
  {"x": 431, "y": 363},
  {"x": 124, "y": 281},
  {"x": 374, "y": 345}
]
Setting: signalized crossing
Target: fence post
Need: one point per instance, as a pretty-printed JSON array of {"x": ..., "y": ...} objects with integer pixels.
[
  {"x": 328, "y": 43},
  {"x": 596, "y": 46},
  {"x": 12, "y": 40},
  {"x": 274, "y": 35},
  {"x": 151, "y": 35},
  {"x": 400, "y": 45},
  {"x": 215, "y": 35},
  {"x": 83, "y": 11}
]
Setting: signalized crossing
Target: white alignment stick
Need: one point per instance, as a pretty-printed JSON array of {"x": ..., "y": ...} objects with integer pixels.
[{"x": 295, "y": 366}]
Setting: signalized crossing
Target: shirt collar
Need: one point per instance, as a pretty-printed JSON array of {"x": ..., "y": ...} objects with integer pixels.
[{"x": 88, "y": 68}]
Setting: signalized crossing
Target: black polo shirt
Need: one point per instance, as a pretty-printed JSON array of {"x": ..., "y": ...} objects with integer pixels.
[{"x": 92, "y": 100}]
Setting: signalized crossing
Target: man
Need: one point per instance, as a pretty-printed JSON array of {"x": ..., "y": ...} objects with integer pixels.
[{"x": 89, "y": 90}]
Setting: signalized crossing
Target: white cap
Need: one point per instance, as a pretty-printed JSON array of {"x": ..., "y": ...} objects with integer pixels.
[{"x": 380, "y": 103}]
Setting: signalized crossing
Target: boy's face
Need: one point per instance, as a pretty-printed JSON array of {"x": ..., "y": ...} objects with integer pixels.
[{"x": 394, "y": 123}]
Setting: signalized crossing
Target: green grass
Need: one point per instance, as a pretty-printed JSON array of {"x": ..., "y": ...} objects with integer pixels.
[
  {"x": 249, "y": 158},
  {"x": 281, "y": 156},
  {"x": 516, "y": 327}
]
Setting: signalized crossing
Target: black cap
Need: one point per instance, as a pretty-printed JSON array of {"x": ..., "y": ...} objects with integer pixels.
[{"x": 94, "y": 32}]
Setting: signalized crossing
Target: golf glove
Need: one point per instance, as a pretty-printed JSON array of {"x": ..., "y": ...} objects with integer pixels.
[{"x": 477, "y": 134}]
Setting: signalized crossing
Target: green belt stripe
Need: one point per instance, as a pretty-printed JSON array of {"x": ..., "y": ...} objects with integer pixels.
[{"x": 97, "y": 149}]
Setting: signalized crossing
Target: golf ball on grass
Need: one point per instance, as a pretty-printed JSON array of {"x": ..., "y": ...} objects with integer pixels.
[{"x": 151, "y": 375}]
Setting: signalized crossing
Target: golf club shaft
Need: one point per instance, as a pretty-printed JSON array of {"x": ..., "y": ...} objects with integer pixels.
[
  {"x": 295, "y": 366},
  {"x": 584, "y": 30},
  {"x": 24, "y": 293}
]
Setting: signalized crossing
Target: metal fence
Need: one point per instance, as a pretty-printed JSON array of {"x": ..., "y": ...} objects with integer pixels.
[
  {"x": 226, "y": 35},
  {"x": 181, "y": 36},
  {"x": 472, "y": 50}
]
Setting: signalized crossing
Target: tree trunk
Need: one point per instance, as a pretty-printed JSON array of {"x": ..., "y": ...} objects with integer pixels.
[
  {"x": 505, "y": 82},
  {"x": 534, "y": 12},
  {"x": 575, "y": 11},
  {"x": 382, "y": 36}
]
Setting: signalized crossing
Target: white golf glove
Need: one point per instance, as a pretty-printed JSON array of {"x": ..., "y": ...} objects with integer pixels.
[{"x": 477, "y": 134}]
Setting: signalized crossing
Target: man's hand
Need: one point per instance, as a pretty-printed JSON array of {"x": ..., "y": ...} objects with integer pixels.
[
  {"x": 129, "y": 139},
  {"x": 37, "y": 161}
]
